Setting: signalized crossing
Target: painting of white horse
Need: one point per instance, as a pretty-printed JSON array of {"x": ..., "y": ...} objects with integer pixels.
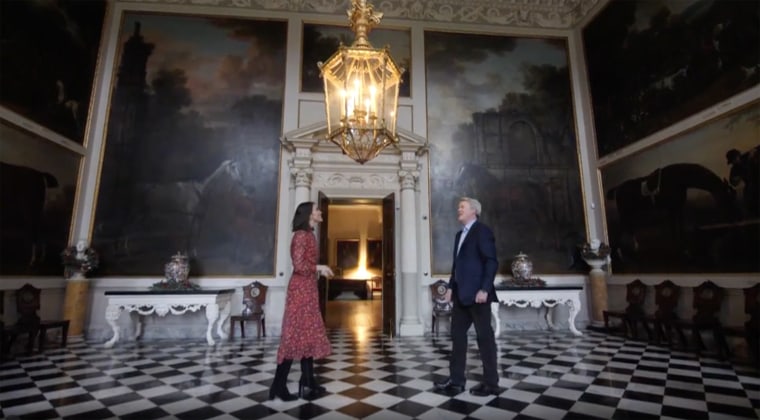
[{"x": 192, "y": 152}]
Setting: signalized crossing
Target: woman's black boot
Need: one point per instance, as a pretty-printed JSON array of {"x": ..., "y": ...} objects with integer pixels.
[
  {"x": 280, "y": 384},
  {"x": 308, "y": 387}
]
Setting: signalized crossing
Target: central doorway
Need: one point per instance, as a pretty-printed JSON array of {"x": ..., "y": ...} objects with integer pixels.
[{"x": 356, "y": 241}]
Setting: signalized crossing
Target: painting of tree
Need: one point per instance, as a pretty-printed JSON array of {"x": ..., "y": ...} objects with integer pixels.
[
  {"x": 321, "y": 41},
  {"x": 192, "y": 150},
  {"x": 500, "y": 118}
]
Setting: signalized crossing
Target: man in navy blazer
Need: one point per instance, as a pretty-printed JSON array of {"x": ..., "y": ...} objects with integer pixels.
[{"x": 471, "y": 289}]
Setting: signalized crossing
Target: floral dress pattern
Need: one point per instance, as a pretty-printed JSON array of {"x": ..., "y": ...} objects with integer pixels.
[{"x": 303, "y": 330}]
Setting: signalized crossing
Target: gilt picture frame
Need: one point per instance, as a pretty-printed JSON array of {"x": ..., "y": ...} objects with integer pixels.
[{"x": 347, "y": 253}]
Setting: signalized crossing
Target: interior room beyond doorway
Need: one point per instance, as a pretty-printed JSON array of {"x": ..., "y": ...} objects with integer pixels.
[{"x": 355, "y": 236}]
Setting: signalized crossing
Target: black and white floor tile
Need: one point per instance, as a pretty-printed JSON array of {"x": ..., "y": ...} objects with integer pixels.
[{"x": 371, "y": 376}]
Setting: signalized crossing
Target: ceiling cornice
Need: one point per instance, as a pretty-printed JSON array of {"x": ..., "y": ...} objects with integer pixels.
[{"x": 551, "y": 14}]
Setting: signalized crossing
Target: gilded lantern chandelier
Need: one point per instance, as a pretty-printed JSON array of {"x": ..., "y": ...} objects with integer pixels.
[{"x": 361, "y": 90}]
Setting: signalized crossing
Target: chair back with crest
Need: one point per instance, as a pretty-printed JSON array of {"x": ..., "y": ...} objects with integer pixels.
[
  {"x": 666, "y": 298},
  {"x": 438, "y": 293},
  {"x": 254, "y": 297},
  {"x": 635, "y": 295},
  {"x": 27, "y": 305},
  {"x": 708, "y": 298},
  {"x": 441, "y": 308}
]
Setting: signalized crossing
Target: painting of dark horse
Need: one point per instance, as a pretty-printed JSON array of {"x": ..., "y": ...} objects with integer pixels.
[
  {"x": 23, "y": 192},
  {"x": 48, "y": 58},
  {"x": 662, "y": 212},
  {"x": 707, "y": 52},
  {"x": 37, "y": 187},
  {"x": 684, "y": 205}
]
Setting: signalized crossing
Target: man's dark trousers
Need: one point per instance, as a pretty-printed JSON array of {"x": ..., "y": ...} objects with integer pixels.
[{"x": 461, "y": 319}]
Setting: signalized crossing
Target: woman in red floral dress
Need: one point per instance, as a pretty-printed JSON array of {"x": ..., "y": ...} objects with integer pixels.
[{"x": 303, "y": 330}]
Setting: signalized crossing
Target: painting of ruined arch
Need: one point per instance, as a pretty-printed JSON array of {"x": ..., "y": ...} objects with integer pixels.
[{"x": 506, "y": 138}]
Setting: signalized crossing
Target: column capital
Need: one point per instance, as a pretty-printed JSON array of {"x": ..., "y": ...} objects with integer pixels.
[
  {"x": 408, "y": 179},
  {"x": 301, "y": 176}
]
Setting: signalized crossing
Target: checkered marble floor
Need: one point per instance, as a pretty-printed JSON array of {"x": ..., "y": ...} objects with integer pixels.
[{"x": 543, "y": 375}]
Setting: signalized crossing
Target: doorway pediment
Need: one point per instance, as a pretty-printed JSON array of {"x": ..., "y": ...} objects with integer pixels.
[{"x": 311, "y": 139}]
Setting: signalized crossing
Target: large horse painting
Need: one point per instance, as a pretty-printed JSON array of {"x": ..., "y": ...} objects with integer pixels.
[
  {"x": 192, "y": 152},
  {"x": 690, "y": 214},
  {"x": 37, "y": 188},
  {"x": 662, "y": 197},
  {"x": 707, "y": 52},
  {"x": 47, "y": 61}
]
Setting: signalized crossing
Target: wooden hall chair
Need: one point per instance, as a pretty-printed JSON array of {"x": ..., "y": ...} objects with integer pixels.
[
  {"x": 441, "y": 308},
  {"x": 254, "y": 298},
  {"x": 633, "y": 315},
  {"x": 29, "y": 322},
  {"x": 666, "y": 295},
  {"x": 751, "y": 328},
  {"x": 708, "y": 298}
]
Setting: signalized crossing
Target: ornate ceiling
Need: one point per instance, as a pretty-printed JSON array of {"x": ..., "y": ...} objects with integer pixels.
[{"x": 554, "y": 14}]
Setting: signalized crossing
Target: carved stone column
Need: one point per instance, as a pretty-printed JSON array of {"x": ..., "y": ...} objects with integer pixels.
[
  {"x": 410, "y": 320},
  {"x": 598, "y": 284}
]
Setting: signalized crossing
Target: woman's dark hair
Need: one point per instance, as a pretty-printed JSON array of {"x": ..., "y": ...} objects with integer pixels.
[{"x": 301, "y": 218}]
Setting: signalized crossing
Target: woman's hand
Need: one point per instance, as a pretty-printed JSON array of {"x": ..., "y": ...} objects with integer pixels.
[{"x": 324, "y": 270}]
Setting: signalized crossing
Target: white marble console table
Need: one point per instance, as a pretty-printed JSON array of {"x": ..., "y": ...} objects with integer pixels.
[
  {"x": 536, "y": 297},
  {"x": 163, "y": 302}
]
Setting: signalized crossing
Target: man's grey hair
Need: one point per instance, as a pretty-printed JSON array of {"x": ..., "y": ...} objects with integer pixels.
[{"x": 475, "y": 204}]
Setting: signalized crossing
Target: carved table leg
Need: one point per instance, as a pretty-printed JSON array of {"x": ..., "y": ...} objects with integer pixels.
[
  {"x": 223, "y": 320},
  {"x": 549, "y": 315},
  {"x": 137, "y": 321},
  {"x": 495, "y": 317},
  {"x": 112, "y": 315},
  {"x": 574, "y": 306},
  {"x": 212, "y": 314}
]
